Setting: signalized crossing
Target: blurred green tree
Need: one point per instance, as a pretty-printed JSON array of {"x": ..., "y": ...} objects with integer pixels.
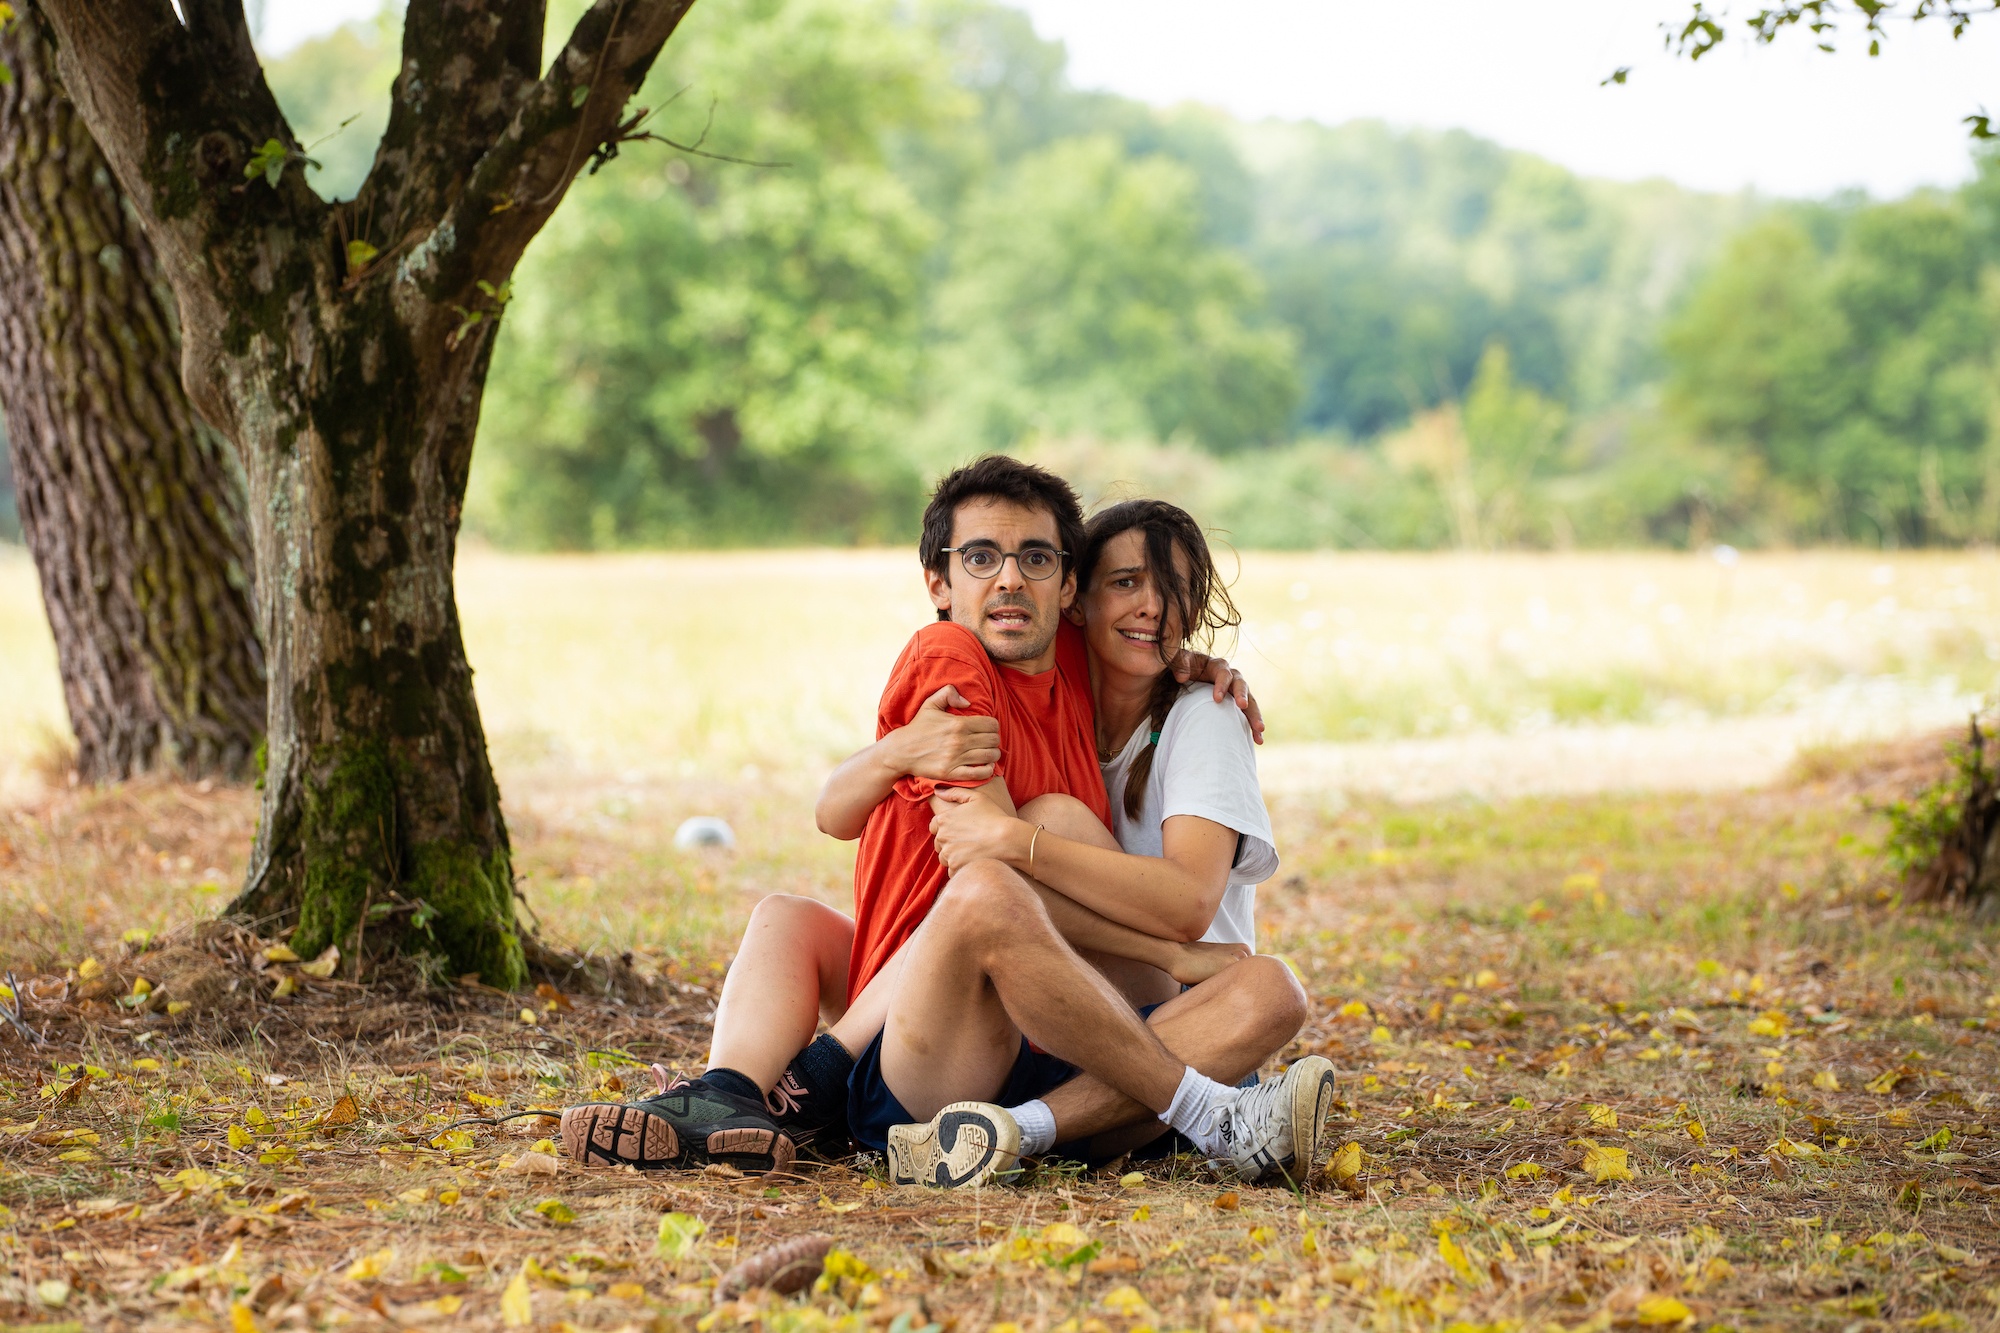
[
  {"x": 709, "y": 351},
  {"x": 1084, "y": 297},
  {"x": 1852, "y": 353}
]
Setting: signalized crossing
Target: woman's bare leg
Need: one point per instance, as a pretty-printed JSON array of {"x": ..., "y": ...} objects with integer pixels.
[{"x": 790, "y": 971}]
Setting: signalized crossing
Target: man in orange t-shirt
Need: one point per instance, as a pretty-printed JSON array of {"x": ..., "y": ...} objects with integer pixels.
[{"x": 1049, "y": 746}]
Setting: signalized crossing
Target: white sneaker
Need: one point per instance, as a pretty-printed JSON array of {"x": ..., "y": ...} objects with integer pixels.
[
  {"x": 1279, "y": 1125},
  {"x": 967, "y": 1143}
]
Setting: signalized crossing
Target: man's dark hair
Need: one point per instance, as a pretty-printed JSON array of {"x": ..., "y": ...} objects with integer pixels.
[{"x": 998, "y": 477}]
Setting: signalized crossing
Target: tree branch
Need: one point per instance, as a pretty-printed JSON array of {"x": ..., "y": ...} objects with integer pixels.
[
  {"x": 465, "y": 67},
  {"x": 178, "y": 109},
  {"x": 577, "y": 106}
]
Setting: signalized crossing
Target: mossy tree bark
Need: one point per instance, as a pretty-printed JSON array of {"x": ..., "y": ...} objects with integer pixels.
[
  {"x": 343, "y": 347},
  {"x": 130, "y": 505}
]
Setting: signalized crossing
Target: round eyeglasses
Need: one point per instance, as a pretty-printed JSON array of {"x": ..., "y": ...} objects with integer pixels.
[{"x": 985, "y": 562}]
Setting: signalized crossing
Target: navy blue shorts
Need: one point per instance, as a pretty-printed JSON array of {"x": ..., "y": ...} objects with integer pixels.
[{"x": 872, "y": 1109}]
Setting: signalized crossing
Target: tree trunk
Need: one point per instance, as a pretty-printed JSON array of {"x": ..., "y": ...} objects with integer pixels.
[
  {"x": 130, "y": 506},
  {"x": 381, "y": 816},
  {"x": 343, "y": 349}
]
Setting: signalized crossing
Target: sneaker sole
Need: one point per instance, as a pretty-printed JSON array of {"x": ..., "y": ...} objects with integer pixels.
[
  {"x": 608, "y": 1135},
  {"x": 1311, "y": 1090},
  {"x": 963, "y": 1146}
]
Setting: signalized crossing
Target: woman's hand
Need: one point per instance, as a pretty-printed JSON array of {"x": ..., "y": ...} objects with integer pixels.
[
  {"x": 968, "y": 827},
  {"x": 1227, "y": 680},
  {"x": 942, "y": 745}
]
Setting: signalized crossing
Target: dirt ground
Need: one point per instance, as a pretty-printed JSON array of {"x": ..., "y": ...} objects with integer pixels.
[{"x": 1651, "y": 1061}]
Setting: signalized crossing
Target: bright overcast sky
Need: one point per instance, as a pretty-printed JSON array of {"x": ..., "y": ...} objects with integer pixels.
[{"x": 1785, "y": 120}]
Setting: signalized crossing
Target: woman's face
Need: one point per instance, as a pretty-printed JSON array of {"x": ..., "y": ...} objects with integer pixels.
[{"x": 1122, "y": 609}]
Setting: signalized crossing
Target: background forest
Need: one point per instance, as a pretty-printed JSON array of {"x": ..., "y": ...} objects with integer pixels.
[{"x": 1347, "y": 336}]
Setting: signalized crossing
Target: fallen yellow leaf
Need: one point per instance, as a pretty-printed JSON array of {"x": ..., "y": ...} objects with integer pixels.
[
  {"x": 370, "y": 1266},
  {"x": 517, "y": 1303},
  {"x": 1697, "y": 1131},
  {"x": 345, "y": 1111},
  {"x": 1604, "y": 1117},
  {"x": 1606, "y": 1164},
  {"x": 626, "y": 1291},
  {"x": 239, "y": 1137},
  {"x": 240, "y": 1318},
  {"x": 1345, "y": 1164},
  {"x": 1663, "y": 1310},
  {"x": 323, "y": 965},
  {"x": 1132, "y": 1180},
  {"x": 1449, "y": 1251},
  {"x": 89, "y": 969},
  {"x": 679, "y": 1234},
  {"x": 288, "y": 986},
  {"x": 279, "y": 953}
]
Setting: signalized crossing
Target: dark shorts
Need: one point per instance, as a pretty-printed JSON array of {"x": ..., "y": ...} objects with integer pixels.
[{"x": 872, "y": 1109}]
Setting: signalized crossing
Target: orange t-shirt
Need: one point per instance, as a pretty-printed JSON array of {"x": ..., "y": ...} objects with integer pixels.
[{"x": 1047, "y": 744}]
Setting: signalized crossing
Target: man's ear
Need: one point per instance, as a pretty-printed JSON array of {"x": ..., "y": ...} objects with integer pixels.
[
  {"x": 939, "y": 587},
  {"x": 1069, "y": 597}
]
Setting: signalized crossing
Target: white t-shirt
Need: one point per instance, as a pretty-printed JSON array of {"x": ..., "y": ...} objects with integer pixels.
[{"x": 1207, "y": 766}]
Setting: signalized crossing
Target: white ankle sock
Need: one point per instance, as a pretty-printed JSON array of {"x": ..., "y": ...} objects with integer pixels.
[
  {"x": 1189, "y": 1110},
  {"x": 1038, "y": 1127}
]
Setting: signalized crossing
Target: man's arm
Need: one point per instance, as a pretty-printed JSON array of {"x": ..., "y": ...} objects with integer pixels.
[{"x": 936, "y": 744}]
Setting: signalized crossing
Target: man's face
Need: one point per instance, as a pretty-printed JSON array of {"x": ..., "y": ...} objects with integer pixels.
[{"x": 1013, "y": 615}]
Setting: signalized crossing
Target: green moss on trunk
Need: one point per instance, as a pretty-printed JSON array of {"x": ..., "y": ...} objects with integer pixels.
[
  {"x": 354, "y": 860},
  {"x": 473, "y": 895},
  {"x": 346, "y": 836}
]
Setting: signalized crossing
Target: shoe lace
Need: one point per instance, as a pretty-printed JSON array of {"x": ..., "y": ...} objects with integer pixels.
[
  {"x": 1255, "y": 1119},
  {"x": 789, "y": 1096},
  {"x": 668, "y": 1080}
]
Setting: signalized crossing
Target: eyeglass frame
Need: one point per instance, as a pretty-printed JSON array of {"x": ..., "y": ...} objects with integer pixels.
[{"x": 1005, "y": 556}]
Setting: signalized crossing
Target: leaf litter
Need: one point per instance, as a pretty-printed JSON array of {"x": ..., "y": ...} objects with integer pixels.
[{"x": 1605, "y": 1063}]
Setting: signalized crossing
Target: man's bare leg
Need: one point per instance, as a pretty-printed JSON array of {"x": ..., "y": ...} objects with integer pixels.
[
  {"x": 987, "y": 965},
  {"x": 1226, "y": 1028}
]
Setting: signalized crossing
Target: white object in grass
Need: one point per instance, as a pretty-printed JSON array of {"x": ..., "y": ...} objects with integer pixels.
[{"x": 703, "y": 831}]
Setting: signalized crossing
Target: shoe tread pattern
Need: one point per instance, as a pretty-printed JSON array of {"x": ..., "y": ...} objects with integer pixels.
[{"x": 608, "y": 1135}]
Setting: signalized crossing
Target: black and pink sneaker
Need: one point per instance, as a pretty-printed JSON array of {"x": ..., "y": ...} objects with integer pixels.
[{"x": 687, "y": 1123}]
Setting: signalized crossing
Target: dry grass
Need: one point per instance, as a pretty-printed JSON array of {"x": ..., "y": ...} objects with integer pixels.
[{"x": 1497, "y": 984}]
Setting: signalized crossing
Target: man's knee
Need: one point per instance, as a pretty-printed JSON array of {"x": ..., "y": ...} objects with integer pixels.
[
  {"x": 1278, "y": 997},
  {"x": 986, "y": 897},
  {"x": 1067, "y": 817}
]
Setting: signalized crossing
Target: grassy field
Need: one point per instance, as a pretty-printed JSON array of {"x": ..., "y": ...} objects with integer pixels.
[
  {"x": 697, "y": 665},
  {"x": 1634, "y": 1061}
]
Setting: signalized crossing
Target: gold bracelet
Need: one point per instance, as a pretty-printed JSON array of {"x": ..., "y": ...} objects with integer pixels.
[{"x": 1032, "y": 837}]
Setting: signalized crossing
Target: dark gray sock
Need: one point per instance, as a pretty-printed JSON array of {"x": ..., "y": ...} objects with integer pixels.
[
  {"x": 730, "y": 1081},
  {"x": 813, "y": 1091}
]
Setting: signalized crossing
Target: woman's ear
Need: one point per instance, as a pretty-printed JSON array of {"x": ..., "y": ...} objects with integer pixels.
[{"x": 1073, "y": 613}]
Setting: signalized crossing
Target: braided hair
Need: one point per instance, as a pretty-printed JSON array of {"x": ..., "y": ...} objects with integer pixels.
[{"x": 1195, "y": 604}]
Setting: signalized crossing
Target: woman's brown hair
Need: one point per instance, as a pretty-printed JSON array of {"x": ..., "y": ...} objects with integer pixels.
[{"x": 1195, "y": 603}]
